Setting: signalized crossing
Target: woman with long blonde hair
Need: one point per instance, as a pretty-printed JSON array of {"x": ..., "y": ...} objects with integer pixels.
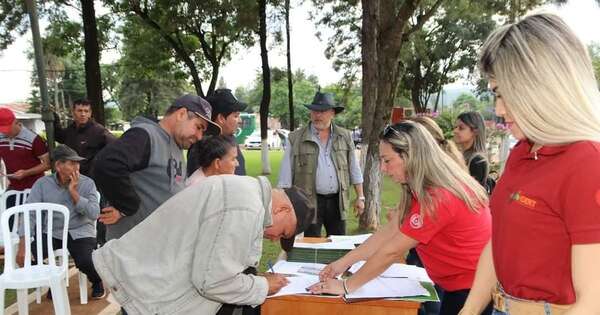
[
  {"x": 545, "y": 245},
  {"x": 447, "y": 219},
  {"x": 436, "y": 131}
]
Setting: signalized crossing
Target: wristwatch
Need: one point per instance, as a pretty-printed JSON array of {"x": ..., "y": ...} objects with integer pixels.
[{"x": 361, "y": 198}]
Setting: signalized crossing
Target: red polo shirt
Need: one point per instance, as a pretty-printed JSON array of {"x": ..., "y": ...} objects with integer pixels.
[
  {"x": 450, "y": 242},
  {"x": 543, "y": 204},
  {"x": 21, "y": 153}
]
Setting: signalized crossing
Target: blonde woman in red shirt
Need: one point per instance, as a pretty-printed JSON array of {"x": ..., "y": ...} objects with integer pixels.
[
  {"x": 545, "y": 247},
  {"x": 447, "y": 219}
]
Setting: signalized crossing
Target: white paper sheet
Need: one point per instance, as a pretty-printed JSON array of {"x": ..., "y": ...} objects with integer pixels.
[
  {"x": 355, "y": 239},
  {"x": 388, "y": 288},
  {"x": 293, "y": 268},
  {"x": 297, "y": 285},
  {"x": 398, "y": 271},
  {"x": 328, "y": 245}
]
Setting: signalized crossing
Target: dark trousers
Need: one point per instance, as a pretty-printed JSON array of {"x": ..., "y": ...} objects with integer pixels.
[
  {"x": 81, "y": 251},
  {"x": 328, "y": 214},
  {"x": 453, "y": 302},
  {"x": 427, "y": 308}
]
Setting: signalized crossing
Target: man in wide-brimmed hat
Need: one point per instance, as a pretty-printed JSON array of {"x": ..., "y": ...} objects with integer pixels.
[{"x": 320, "y": 159}]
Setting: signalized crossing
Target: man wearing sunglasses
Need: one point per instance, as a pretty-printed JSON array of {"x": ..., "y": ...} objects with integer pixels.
[{"x": 320, "y": 159}]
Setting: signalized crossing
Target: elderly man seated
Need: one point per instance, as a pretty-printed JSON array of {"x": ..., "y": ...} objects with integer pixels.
[
  {"x": 196, "y": 252},
  {"x": 78, "y": 193}
]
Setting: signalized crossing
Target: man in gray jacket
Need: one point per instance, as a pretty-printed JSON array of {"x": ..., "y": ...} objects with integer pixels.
[
  {"x": 189, "y": 256},
  {"x": 145, "y": 167}
]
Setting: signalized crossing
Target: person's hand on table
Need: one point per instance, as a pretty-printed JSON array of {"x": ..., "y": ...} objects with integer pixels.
[
  {"x": 331, "y": 286},
  {"x": 276, "y": 282},
  {"x": 332, "y": 270}
]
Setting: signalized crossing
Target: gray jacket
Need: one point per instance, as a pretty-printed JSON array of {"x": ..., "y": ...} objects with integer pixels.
[
  {"x": 159, "y": 181},
  {"x": 188, "y": 256}
]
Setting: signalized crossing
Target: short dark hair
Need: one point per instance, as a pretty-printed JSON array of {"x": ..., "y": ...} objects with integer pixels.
[
  {"x": 211, "y": 148},
  {"x": 224, "y": 114},
  {"x": 82, "y": 102}
]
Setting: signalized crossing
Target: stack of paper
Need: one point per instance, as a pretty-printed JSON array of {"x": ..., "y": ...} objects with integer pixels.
[
  {"x": 320, "y": 252},
  {"x": 388, "y": 288},
  {"x": 398, "y": 271},
  {"x": 355, "y": 239},
  {"x": 297, "y": 268}
]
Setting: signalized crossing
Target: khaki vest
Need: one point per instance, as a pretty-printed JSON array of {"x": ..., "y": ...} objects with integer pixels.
[{"x": 305, "y": 153}]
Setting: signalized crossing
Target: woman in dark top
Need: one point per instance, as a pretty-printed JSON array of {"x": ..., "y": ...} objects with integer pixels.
[{"x": 469, "y": 134}]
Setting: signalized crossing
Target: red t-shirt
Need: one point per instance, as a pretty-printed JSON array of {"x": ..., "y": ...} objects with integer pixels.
[
  {"x": 21, "y": 153},
  {"x": 450, "y": 242},
  {"x": 541, "y": 207}
]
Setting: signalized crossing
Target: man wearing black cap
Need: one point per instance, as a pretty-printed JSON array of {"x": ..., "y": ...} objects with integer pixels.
[
  {"x": 226, "y": 111},
  {"x": 320, "y": 159},
  {"x": 145, "y": 167},
  {"x": 78, "y": 193},
  {"x": 203, "y": 260}
]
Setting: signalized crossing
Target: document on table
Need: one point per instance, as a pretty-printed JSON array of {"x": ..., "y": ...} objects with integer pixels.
[
  {"x": 398, "y": 271},
  {"x": 388, "y": 288},
  {"x": 348, "y": 244},
  {"x": 298, "y": 268},
  {"x": 297, "y": 285},
  {"x": 354, "y": 239}
]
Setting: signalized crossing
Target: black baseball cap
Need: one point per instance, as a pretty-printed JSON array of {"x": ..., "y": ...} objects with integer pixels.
[
  {"x": 201, "y": 108},
  {"x": 223, "y": 101},
  {"x": 64, "y": 153},
  {"x": 305, "y": 214}
]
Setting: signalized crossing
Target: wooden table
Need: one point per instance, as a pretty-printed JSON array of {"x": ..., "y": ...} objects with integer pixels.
[{"x": 313, "y": 305}]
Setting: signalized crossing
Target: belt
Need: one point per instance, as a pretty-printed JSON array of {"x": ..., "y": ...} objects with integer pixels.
[
  {"x": 513, "y": 306},
  {"x": 328, "y": 196}
]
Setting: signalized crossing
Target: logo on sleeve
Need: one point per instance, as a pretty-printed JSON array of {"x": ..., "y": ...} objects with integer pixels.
[{"x": 416, "y": 221}]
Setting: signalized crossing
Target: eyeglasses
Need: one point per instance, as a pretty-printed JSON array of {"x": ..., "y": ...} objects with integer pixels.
[
  {"x": 399, "y": 128},
  {"x": 387, "y": 130}
]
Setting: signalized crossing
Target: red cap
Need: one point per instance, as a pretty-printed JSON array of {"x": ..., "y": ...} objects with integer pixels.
[{"x": 7, "y": 117}]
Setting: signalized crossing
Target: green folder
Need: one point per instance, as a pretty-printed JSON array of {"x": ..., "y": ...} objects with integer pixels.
[{"x": 312, "y": 255}]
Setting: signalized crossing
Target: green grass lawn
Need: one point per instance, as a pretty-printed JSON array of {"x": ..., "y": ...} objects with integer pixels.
[{"x": 271, "y": 249}]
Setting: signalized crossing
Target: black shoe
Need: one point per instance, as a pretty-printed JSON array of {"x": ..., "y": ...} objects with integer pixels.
[
  {"x": 98, "y": 291},
  {"x": 49, "y": 294}
]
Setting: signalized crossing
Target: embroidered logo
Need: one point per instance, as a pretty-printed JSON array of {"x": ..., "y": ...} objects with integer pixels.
[
  {"x": 523, "y": 200},
  {"x": 416, "y": 221}
]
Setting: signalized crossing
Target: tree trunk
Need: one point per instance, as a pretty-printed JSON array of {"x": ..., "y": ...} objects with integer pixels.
[
  {"x": 370, "y": 217},
  {"x": 289, "y": 65},
  {"x": 93, "y": 80},
  {"x": 40, "y": 65},
  {"x": 384, "y": 31},
  {"x": 266, "y": 76}
]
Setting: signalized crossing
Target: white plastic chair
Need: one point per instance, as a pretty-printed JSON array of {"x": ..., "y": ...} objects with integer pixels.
[
  {"x": 20, "y": 196},
  {"x": 41, "y": 274},
  {"x": 83, "y": 280}
]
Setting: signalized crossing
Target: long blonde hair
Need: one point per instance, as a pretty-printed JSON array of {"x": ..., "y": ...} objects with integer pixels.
[
  {"x": 546, "y": 79},
  {"x": 447, "y": 146},
  {"x": 428, "y": 167}
]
